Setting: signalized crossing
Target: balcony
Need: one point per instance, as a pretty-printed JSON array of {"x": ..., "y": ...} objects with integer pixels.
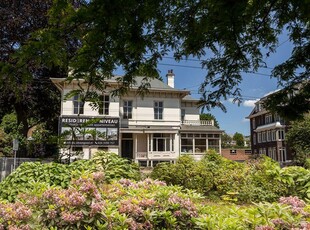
[
  {"x": 275, "y": 125},
  {"x": 198, "y": 122}
]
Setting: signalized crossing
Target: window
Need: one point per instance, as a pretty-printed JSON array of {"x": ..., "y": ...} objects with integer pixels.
[
  {"x": 127, "y": 110},
  {"x": 254, "y": 139},
  {"x": 187, "y": 145},
  {"x": 162, "y": 142},
  {"x": 274, "y": 153},
  {"x": 278, "y": 118},
  {"x": 268, "y": 135},
  {"x": 158, "y": 110},
  {"x": 198, "y": 143},
  {"x": 253, "y": 123},
  {"x": 259, "y": 139},
  {"x": 273, "y": 135},
  {"x": 78, "y": 105},
  {"x": 280, "y": 134},
  {"x": 269, "y": 152},
  {"x": 182, "y": 114},
  {"x": 268, "y": 118},
  {"x": 263, "y": 136},
  {"x": 282, "y": 153},
  {"x": 214, "y": 144},
  {"x": 104, "y": 104}
]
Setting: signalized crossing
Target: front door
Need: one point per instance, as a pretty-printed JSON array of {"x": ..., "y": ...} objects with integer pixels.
[{"x": 127, "y": 149}]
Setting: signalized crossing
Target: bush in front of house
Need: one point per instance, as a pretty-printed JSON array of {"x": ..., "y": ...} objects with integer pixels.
[
  {"x": 90, "y": 203},
  {"x": 254, "y": 181},
  {"x": 29, "y": 174}
]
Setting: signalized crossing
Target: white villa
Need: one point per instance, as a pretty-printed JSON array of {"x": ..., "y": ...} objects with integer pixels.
[{"x": 160, "y": 126}]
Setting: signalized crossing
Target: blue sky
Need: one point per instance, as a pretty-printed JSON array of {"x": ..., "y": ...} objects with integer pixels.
[
  {"x": 254, "y": 86},
  {"x": 189, "y": 75}
]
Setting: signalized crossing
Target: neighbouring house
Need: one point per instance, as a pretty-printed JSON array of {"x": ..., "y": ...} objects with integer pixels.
[
  {"x": 268, "y": 134},
  {"x": 160, "y": 126},
  {"x": 239, "y": 155}
]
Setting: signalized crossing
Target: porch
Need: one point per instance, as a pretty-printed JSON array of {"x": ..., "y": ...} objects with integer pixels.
[{"x": 149, "y": 147}]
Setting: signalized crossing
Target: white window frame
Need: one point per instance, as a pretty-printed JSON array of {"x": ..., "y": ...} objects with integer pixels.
[
  {"x": 259, "y": 137},
  {"x": 282, "y": 154},
  {"x": 268, "y": 118},
  {"x": 127, "y": 109},
  {"x": 78, "y": 105},
  {"x": 273, "y": 135},
  {"x": 104, "y": 104},
  {"x": 281, "y": 134},
  {"x": 167, "y": 140},
  {"x": 158, "y": 110},
  {"x": 268, "y": 135},
  {"x": 263, "y": 136}
]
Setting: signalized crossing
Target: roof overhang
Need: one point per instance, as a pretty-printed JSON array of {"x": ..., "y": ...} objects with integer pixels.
[
  {"x": 275, "y": 125},
  {"x": 61, "y": 83}
]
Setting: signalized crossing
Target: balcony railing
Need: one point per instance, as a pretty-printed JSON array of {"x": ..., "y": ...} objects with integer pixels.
[
  {"x": 156, "y": 155},
  {"x": 198, "y": 122}
]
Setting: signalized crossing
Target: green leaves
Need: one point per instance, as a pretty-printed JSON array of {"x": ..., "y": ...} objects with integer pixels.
[{"x": 30, "y": 174}]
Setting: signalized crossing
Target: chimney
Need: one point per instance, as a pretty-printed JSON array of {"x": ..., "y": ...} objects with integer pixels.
[{"x": 170, "y": 78}]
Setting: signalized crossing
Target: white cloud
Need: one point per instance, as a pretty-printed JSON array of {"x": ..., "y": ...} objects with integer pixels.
[
  {"x": 231, "y": 100},
  {"x": 249, "y": 103}
]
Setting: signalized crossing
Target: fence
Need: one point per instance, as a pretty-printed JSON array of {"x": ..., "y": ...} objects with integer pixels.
[{"x": 7, "y": 164}]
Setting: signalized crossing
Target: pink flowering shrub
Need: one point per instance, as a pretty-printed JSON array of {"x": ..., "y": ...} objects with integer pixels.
[
  {"x": 15, "y": 215},
  {"x": 90, "y": 203},
  {"x": 297, "y": 205}
]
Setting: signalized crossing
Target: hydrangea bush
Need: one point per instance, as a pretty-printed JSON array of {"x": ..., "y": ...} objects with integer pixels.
[
  {"x": 29, "y": 174},
  {"x": 90, "y": 203}
]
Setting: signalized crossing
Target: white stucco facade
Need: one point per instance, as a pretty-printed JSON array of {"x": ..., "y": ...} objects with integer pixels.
[{"x": 160, "y": 126}]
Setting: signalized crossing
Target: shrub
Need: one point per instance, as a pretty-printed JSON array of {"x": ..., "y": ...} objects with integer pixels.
[
  {"x": 258, "y": 180},
  {"x": 29, "y": 174},
  {"x": 90, "y": 203},
  {"x": 186, "y": 172}
]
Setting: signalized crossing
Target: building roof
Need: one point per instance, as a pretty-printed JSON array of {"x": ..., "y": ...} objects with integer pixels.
[
  {"x": 189, "y": 98},
  {"x": 154, "y": 84},
  {"x": 199, "y": 128}
]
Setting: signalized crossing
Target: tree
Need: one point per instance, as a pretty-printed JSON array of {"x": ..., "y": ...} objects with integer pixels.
[
  {"x": 24, "y": 81},
  {"x": 298, "y": 137},
  {"x": 209, "y": 117},
  {"x": 18, "y": 19},
  {"x": 238, "y": 137},
  {"x": 226, "y": 140},
  {"x": 236, "y": 36}
]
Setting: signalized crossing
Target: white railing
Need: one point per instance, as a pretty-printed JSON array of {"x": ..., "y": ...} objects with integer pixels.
[
  {"x": 155, "y": 155},
  {"x": 198, "y": 122}
]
